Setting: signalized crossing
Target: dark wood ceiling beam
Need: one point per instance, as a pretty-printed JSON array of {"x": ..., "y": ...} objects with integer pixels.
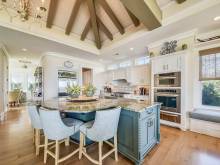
[
  {"x": 111, "y": 14},
  {"x": 147, "y": 11},
  {"x": 51, "y": 13},
  {"x": 91, "y": 6},
  {"x": 73, "y": 15},
  {"x": 86, "y": 30},
  {"x": 134, "y": 19},
  {"x": 104, "y": 29},
  {"x": 180, "y": 1}
]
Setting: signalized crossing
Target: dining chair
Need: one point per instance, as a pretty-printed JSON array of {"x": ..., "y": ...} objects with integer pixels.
[
  {"x": 57, "y": 130},
  {"x": 13, "y": 97},
  {"x": 102, "y": 129}
]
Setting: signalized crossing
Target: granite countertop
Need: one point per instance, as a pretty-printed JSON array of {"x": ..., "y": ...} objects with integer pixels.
[{"x": 84, "y": 107}]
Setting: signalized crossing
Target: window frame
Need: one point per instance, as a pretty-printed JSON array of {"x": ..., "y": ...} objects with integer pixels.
[
  {"x": 125, "y": 62},
  {"x": 202, "y": 53},
  {"x": 141, "y": 58},
  {"x": 208, "y": 52},
  {"x": 112, "y": 67}
]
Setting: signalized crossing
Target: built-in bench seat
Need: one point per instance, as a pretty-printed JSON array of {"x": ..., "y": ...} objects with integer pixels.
[
  {"x": 206, "y": 115},
  {"x": 205, "y": 122}
]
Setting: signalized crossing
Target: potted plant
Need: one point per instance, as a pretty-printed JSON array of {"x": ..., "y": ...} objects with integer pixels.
[
  {"x": 89, "y": 90},
  {"x": 74, "y": 90}
]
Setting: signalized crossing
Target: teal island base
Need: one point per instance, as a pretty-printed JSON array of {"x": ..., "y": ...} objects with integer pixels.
[{"x": 138, "y": 131}]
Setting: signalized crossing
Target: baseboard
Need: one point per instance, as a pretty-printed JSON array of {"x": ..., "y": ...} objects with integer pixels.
[
  {"x": 2, "y": 116},
  {"x": 205, "y": 127}
]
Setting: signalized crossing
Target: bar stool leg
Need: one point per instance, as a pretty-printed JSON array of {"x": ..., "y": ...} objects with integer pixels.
[
  {"x": 81, "y": 145},
  {"x": 33, "y": 135},
  {"x": 45, "y": 149},
  {"x": 116, "y": 147},
  {"x": 67, "y": 141},
  {"x": 37, "y": 141},
  {"x": 57, "y": 153},
  {"x": 100, "y": 153},
  {"x": 84, "y": 143}
]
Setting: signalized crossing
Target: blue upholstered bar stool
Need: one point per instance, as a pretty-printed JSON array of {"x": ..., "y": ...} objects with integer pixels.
[
  {"x": 37, "y": 126},
  {"x": 102, "y": 129},
  {"x": 55, "y": 129}
]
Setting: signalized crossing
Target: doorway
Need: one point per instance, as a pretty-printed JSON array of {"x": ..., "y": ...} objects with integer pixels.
[{"x": 87, "y": 76}]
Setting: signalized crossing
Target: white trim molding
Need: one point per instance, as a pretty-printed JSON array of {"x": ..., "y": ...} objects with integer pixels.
[
  {"x": 2, "y": 116},
  {"x": 175, "y": 37},
  {"x": 188, "y": 11},
  {"x": 205, "y": 127}
]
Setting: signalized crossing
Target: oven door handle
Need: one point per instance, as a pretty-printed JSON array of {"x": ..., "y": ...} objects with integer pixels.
[{"x": 169, "y": 95}]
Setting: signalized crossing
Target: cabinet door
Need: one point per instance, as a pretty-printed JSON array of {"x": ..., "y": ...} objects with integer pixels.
[
  {"x": 148, "y": 132},
  {"x": 167, "y": 64},
  {"x": 173, "y": 63},
  {"x": 158, "y": 65}
]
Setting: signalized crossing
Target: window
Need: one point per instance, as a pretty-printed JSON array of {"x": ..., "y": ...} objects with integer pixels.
[
  {"x": 211, "y": 93},
  {"x": 142, "y": 60},
  {"x": 112, "y": 67},
  {"x": 210, "y": 76},
  {"x": 125, "y": 64}
]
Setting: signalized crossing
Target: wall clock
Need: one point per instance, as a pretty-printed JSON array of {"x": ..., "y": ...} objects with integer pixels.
[{"x": 68, "y": 64}]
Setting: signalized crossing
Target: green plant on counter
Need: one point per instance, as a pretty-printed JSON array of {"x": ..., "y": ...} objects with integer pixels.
[
  {"x": 74, "y": 90},
  {"x": 90, "y": 90}
]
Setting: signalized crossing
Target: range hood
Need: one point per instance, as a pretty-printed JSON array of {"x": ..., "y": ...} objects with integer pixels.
[{"x": 120, "y": 82}]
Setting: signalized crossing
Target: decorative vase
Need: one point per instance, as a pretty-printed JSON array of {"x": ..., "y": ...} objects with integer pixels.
[
  {"x": 89, "y": 93},
  {"x": 74, "y": 95}
]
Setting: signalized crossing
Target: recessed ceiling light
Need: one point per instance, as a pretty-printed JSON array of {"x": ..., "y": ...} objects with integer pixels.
[
  {"x": 24, "y": 49},
  {"x": 217, "y": 18},
  {"x": 131, "y": 49}
]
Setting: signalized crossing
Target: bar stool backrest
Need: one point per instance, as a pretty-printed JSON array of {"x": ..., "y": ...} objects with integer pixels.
[
  {"x": 34, "y": 117},
  {"x": 105, "y": 125},
  {"x": 53, "y": 126}
]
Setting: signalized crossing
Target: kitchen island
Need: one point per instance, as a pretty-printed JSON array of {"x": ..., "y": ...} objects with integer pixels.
[{"x": 138, "y": 129}]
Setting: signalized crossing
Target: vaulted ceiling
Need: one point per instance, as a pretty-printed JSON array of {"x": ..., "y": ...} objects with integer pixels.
[
  {"x": 101, "y": 20},
  {"x": 96, "y": 20}
]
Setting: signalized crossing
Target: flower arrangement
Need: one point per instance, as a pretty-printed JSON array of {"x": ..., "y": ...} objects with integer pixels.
[
  {"x": 89, "y": 90},
  {"x": 74, "y": 90}
]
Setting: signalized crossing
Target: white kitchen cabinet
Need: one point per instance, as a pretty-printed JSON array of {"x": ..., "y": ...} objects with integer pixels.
[
  {"x": 140, "y": 75},
  {"x": 109, "y": 76},
  {"x": 3, "y": 83},
  {"x": 166, "y": 63},
  {"x": 136, "y": 75},
  {"x": 118, "y": 74}
]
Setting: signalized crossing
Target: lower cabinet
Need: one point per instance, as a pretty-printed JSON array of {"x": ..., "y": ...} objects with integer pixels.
[{"x": 138, "y": 133}]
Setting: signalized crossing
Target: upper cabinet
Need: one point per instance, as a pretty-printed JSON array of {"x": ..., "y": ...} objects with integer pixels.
[
  {"x": 140, "y": 75},
  {"x": 120, "y": 74},
  {"x": 166, "y": 63},
  {"x": 136, "y": 75}
]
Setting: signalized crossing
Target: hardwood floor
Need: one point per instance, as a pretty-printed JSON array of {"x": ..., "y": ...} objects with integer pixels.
[{"x": 176, "y": 147}]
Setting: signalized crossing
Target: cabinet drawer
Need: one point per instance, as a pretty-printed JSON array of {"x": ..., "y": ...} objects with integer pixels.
[
  {"x": 147, "y": 112},
  {"x": 170, "y": 117}
]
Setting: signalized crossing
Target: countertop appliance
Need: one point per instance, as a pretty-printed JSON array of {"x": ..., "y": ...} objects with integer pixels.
[
  {"x": 172, "y": 79},
  {"x": 171, "y": 103}
]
